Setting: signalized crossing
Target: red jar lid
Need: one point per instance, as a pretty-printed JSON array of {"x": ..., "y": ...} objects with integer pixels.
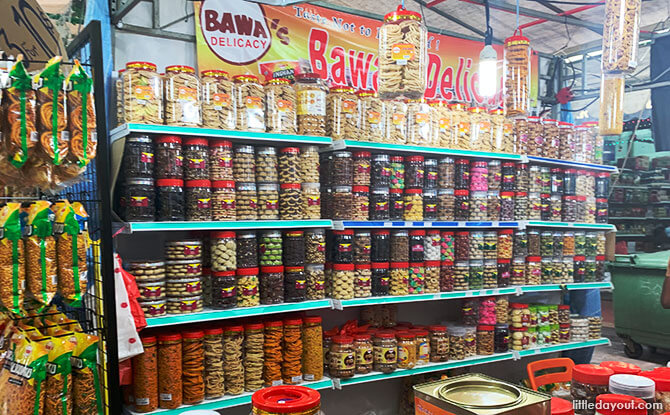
[
  {"x": 461, "y": 192},
  {"x": 342, "y": 339},
  {"x": 517, "y": 40},
  {"x": 660, "y": 376},
  {"x": 275, "y": 323},
  {"x": 420, "y": 332},
  {"x": 293, "y": 322},
  {"x": 312, "y": 319},
  {"x": 385, "y": 334},
  {"x": 286, "y": 399},
  {"x": 363, "y": 266},
  {"x": 254, "y": 326},
  {"x": 380, "y": 265},
  {"x": 169, "y": 337},
  {"x": 503, "y": 261},
  {"x": 399, "y": 264},
  {"x": 343, "y": 267},
  {"x": 138, "y": 64},
  {"x": 506, "y": 231},
  {"x": 361, "y": 154},
  {"x": 179, "y": 68},
  {"x": 564, "y": 307},
  {"x": 169, "y": 183},
  {"x": 395, "y": 190},
  {"x": 198, "y": 183},
  {"x": 485, "y": 328},
  {"x": 294, "y": 233},
  {"x": 462, "y": 233},
  {"x": 292, "y": 150},
  {"x": 361, "y": 189},
  {"x": 401, "y": 14},
  {"x": 294, "y": 269},
  {"x": 611, "y": 404},
  {"x": 223, "y": 184},
  {"x": 416, "y": 264},
  {"x": 521, "y": 194},
  {"x": 272, "y": 269},
  {"x": 622, "y": 368},
  {"x": 148, "y": 339},
  {"x": 533, "y": 259},
  {"x": 213, "y": 331},
  {"x": 215, "y": 72},
  {"x": 196, "y": 142},
  {"x": 432, "y": 263},
  {"x": 168, "y": 139},
  {"x": 580, "y": 258},
  {"x": 193, "y": 334},
  {"x": 405, "y": 335},
  {"x": 565, "y": 124},
  {"x": 561, "y": 407},
  {"x": 600, "y": 257},
  {"x": 223, "y": 234},
  {"x": 592, "y": 374},
  {"x": 290, "y": 186},
  {"x": 221, "y": 143},
  {"x": 413, "y": 191},
  {"x": 417, "y": 232},
  {"x": 437, "y": 328},
  {"x": 246, "y": 77},
  {"x": 414, "y": 158},
  {"x": 344, "y": 232},
  {"x": 223, "y": 274},
  {"x": 247, "y": 271},
  {"x": 397, "y": 159},
  {"x": 447, "y": 233},
  {"x": 381, "y": 232},
  {"x": 601, "y": 200}
]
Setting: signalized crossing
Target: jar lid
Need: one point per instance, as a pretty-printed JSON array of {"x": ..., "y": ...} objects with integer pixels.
[
  {"x": 405, "y": 335},
  {"x": 179, "y": 68},
  {"x": 272, "y": 269},
  {"x": 290, "y": 150},
  {"x": 275, "y": 323},
  {"x": 366, "y": 93},
  {"x": 343, "y": 267},
  {"x": 295, "y": 269},
  {"x": 612, "y": 404},
  {"x": 223, "y": 274},
  {"x": 457, "y": 105},
  {"x": 622, "y": 368},
  {"x": 419, "y": 332},
  {"x": 196, "y": 142},
  {"x": 362, "y": 154},
  {"x": 215, "y": 73},
  {"x": 397, "y": 159},
  {"x": 447, "y": 233},
  {"x": 290, "y": 186},
  {"x": 312, "y": 319},
  {"x": 223, "y": 184},
  {"x": 247, "y": 271},
  {"x": 660, "y": 376},
  {"x": 399, "y": 264},
  {"x": 591, "y": 374},
  {"x": 485, "y": 327},
  {"x": 278, "y": 81},
  {"x": 385, "y": 335},
  {"x": 477, "y": 110},
  {"x": 140, "y": 181},
  {"x": 168, "y": 139},
  {"x": 580, "y": 258},
  {"x": 432, "y": 263},
  {"x": 381, "y": 232},
  {"x": 601, "y": 200},
  {"x": 534, "y": 259},
  {"x": 518, "y": 305},
  {"x": 344, "y": 232},
  {"x": 140, "y": 64},
  {"x": 138, "y": 139},
  {"x": 363, "y": 266},
  {"x": 193, "y": 334},
  {"x": 413, "y": 191},
  {"x": 294, "y": 233},
  {"x": 169, "y": 337},
  {"x": 461, "y": 192},
  {"x": 417, "y": 232},
  {"x": 343, "y": 339},
  {"x": 566, "y": 307},
  {"x": 437, "y": 328},
  {"x": 246, "y": 78},
  {"x": 213, "y": 331},
  {"x": 238, "y": 328},
  {"x": 503, "y": 261},
  {"x": 394, "y": 191},
  {"x": 342, "y": 88},
  {"x": 497, "y": 111},
  {"x": 293, "y": 322},
  {"x": 221, "y": 143},
  {"x": 414, "y": 158},
  {"x": 363, "y": 189},
  {"x": 148, "y": 339},
  {"x": 401, "y": 14},
  {"x": 223, "y": 234},
  {"x": 198, "y": 183},
  {"x": 169, "y": 183},
  {"x": 565, "y": 124},
  {"x": 380, "y": 265},
  {"x": 254, "y": 326},
  {"x": 362, "y": 337},
  {"x": 521, "y": 194}
]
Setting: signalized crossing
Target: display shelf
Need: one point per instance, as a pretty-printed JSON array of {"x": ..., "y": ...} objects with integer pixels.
[
  {"x": 630, "y": 235},
  {"x": 130, "y": 227},
  {"x": 340, "y": 304},
  {"x": 571, "y": 225},
  {"x": 471, "y": 361},
  {"x": 351, "y": 224},
  {"x": 407, "y": 148},
  {"x": 570, "y": 287},
  {"x": 246, "y": 137},
  {"x": 228, "y": 401},
  {"x": 629, "y": 218},
  {"x": 212, "y": 315},
  {"x": 628, "y": 186},
  {"x": 574, "y": 164}
]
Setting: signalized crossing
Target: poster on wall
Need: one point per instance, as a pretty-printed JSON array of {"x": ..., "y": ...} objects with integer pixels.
[{"x": 278, "y": 42}]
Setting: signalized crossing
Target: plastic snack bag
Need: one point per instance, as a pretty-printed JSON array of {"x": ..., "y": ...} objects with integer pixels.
[
  {"x": 58, "y": 388},
  {"x": 40, "y": 245},
  {"x": 71, "y": 246},
  {"x": 86, "y": 379},
  {"x": 12, "y": 259}
]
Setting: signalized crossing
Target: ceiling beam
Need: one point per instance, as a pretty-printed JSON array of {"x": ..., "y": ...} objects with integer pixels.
[
  {"x": 457, "y": 21},
  {"x": 511, "y": 8},
  {"x": 559, "y": 11}
]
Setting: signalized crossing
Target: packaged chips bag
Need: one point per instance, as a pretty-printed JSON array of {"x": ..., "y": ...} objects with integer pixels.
[
  {"x": 12, "y": 259},
  {"x": 71, "y": 248},
  {"x": 40, "y": 246}
]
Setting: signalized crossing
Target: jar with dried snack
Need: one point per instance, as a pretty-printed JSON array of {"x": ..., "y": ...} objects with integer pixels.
[
  {"x": 403, "y": 56},
  {"x": 309, "y": 164},
  {"x": 395, "y": 122},
  {"x": 417, "y": 277},
  {"x": 517, "y": 83},
  {"x": 419, "y": 123},
  {"x": 182, "y": 96},
  {"x": 380, "y": 279},
  {"x": 273, "y": 354},
  {"x": 268, "y": 201},
  {"x": 462, "y": 205},
  {"x": 396, "y": 204},
  {"x": 246, "y": 201},
  {"x": 249, "y": 103},
  {"x": 343, "y": 280},
  {"x": 342, "y": 113},
  {"x": 460, "y": 125},
  {"x": 244, "y": 164},
  {"x": 315, "y": 246},
  {"x": 247, "y": 287},
  {"x": 399, "y": 274},
  {"x": 315, "y": 280},
  {"x": 446, "y": 173},
  {"x": 361, "y": 203},
  {"x": 621, "y": 34},
  {"x": 223, "y": 200},
  {"x": 462, "y": 174},
  {"x": 280, "y": 106},
  {"x": 342, "y": 357},
  {"x": 430, "y": 203},
  {"x": 290, "y": 202},
  {"x": 169, "y": 364},
  {"x": 220, "y": 160},
  {"x": 138, "y": 157},
  {"x": 142, "y": 94},
  {"x": 266, "y": 165},
  {"x": 311, "y": 92},
  {"x": 446, "y": 276},
  {"x": 145, "y": 382},
  {"x": 271, "y": 284},
  {"x": 371, "y": 114},
  {"x": 362, "y": 167},
  {"x": 461, "y": 275},
  {"x": 610, "y": 121},
  {"x": 536, "y": 137},
  {"x": 341, "y": 169},
  {"x": 198, "y": 200},
  {"x": 295, "y": 284},
  {"x": 413, "y": 202},
  {"x": 400, "y": 246},
  {"x": 445, "y": 204},
  {"x": 140, "y": 197},
  {"x": 481, "y": 134},
  {"x": 169, "y": 159},
  {"x": 289, "y": 165},
  {"x": 342, "y": 250},
  {"x": 217, "y": 103},
  {"x": 363, "y": 281}
]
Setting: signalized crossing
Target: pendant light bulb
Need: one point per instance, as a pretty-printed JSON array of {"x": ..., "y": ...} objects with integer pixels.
[{"x": 488, "y": 71}]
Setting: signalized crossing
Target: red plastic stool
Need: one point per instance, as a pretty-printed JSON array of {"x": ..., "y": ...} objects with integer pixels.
[{"x": 561, "y": 407}]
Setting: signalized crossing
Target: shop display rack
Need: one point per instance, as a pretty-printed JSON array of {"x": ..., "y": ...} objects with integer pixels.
[
  {"x": 131, "y": 227},
  {"x": 573, "y": 164},
  {"x": 352, "y": 224},
  {"x": 570, "y": 225},
  {"x": 328, "y": 383},
  {"x": 214, "y": 315}
]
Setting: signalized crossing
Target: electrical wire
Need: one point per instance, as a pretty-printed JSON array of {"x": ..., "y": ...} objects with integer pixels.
[{"x": 517, "y": 15}]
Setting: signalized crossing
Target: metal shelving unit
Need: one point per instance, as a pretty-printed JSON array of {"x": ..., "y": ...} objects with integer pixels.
[
  {"x": 351, "y": 224},
  {"x": 131, "y": 227}
]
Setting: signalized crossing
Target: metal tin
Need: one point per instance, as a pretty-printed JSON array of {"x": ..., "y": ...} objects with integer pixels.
[{"x": 477, "y": 394}]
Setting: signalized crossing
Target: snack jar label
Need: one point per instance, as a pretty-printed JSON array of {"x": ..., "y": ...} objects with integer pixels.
[
  {"x": 423, "y": 351},
  {"x": 403, "y": 354},
  {"x": 179, "y": 161},
  {"x": 312, "y": 102},
  {"x": 374, "y": 117},
  {"x": 187, "y": 94},
  {"x": 431, "y": 208},
  {"x": 313, "y": 200},
  {"x": 221, "y": 100},
  {"x": 348, "y": 106},
  {"x": 284, "y": 105},
  {"x": 225, "y": 162},
  {"x": 381, "y": 206},
  {"x": 469, "y": 341},
  {"x": 398, "y": 119},
  {"x": 147, "y": 157},
  {"x": 300, "y": 284},
  {"x": 366, "y": 249},
  {"x": 252, "y": 102},
  {"x": 204, "y": 203},
  {"x": 193, "y": 268},
  {"x": 385, "y": 355},
  {"x": 421, "y": 118},
  {"x": 271, "y": 204},
  {"x": 228, "y": 292},
  {"x": 445, "y": 123},
  {"x": 188, "y": 305},
  {"x": 399, "y": 205},
  {"x": 344, "y": 247},
  {"x": 193, "y": 287},
  {"x": 364, "y": 355},
  {"x": 343, "y": 360},
  {"x": 157, "y": 309},
  {"x": 385, "y": 172},
  {"x": 228, "y": 204},
  {"x": 196, "y": 163},
  {"x": 384, "y": 281},
  {"x": 321, "y": 247},
  {"x": 363, "y": 167},
  {"x": 401, "y": 53},
  {"x": 363, "y": 281},
  {"x": 253, "y": 203},
  {"x": 191, "y": 250},
  {"x": 151, "y": 291},
  {"x": 319, "y": 285},
  {"x": 144, "y": 92},
  {"x": 139, "y": 201},
  {"x": 250, "y": 290}
]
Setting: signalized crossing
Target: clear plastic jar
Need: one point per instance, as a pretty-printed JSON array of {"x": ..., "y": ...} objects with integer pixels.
[
  {"x": 363, "y": 281},
  {"x": 223, "y": 200},
  {"x": 380, "y": 279},
  {"x": 362, "y": 247},
  {"x": 342, "y": 113},
  {"x": 462, "y": 205},
  {"x": 247, "y": 287},
  {"x": 446, "y": 173},
  {"x": 517, "y": 83},
  {"x": 403, "y": 40},
  {"x": 169, "y": 159},
  {"x": 521, "y": 204},
  {"x": 342, "y": 251},
  {"x": 445, "y": 204},
  {"x": 196, "y": 159},
  {"x": 224, "y": 290},
  {"x": 182, "y": 96},
  {"x": 361, "y": 203},
  {"x": 589, "y": 381},
  {"x": 217, "y": 101},
  {"x": 442, "y": 124},
  {"x": 379, "y": 203},
  {"x": 501, "y": 338},
  {"x": 343, "y": 279},
  {"x": 290, "y": 201},
  {"x": 280, "y": 106},
  {"x": 295, "y": 284},
  {"x": 505, "y": 244},
  {"x": 535, "y": 137},
  {"x": 315, "y": 246},
  {"x": 198, "y": 200},
  {"x": 311, "y": 92},
  {"x": 381, "y": 246},
  {"x": 476, "y": 275},
  {"x": 362, "y": 167},
  {"x": 485, "y": 340},
  {"x": 381, "y": 171},
  {"x": 419, "y": 126},
  {"x": 249, "y": 99},
  {"x": 316, "y": 282},
  {"x": 414, "y": 172},
  {"x": 400, "y": 246},
  {"x": 244, "y": 164},
  {"x": 396, "y": 204},
  {"x": 567, "y": 148},
  {"x": 430, "y": 202},
  {"x": 457, "y": 343},
  {"x": 142, "y": 94},
  {"x": 294, "y": 248},
  {"x": 506, "y": 211},
  {"x": 439, "y": 343},
  {"x": 552, "y": 139},
  {"x": 395, "y": 122},
  {"x": 311, "y": 201},
  {"x": 268, "y": 201},
  {"x": 481, "y": 136},
  {"x": 533, "y": 270},
  {"x": 342, "y": 355},
  {"x": 140, "y": 198},
  {"x": 460, "y": 125},
  {"x": 579, "y": 267},
  {"x": 246, "y": 201},
  {"x": 478, "y": 206},
  {"x": 461, "y": 275},
  {"x": 138, "y": 157},
  {"x": 371, "y": 113},
  {"x": 407, "y": 350},
  {"x": 416, "y": 277},
  {"x": 342, "y": 202},
  {"x": 399, "y": 275},
  {"x": 518, "y": 271},
  {"x": 385, "y": 350},
  {"x": 266, "y": 165},
  {"x": 397, "y": 172},
  {"x": 341, "y": 169},
  {"x": 364, "y": 353},
  {"x": 621, "y": 31},
  {"x": 447, "y": 276},
  {"x": 610, "y": 121},
  {"x": 462, "y": 174},
  {"x": 413, "y": 204}
]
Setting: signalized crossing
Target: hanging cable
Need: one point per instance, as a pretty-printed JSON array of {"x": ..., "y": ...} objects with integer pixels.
[
  {"x": 517, "y": 14},
  {"x": 488, "y": 37}
]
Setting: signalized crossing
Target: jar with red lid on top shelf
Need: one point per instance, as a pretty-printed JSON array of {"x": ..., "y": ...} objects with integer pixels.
[
  {"x": 221, "y": 160},
  {"x": 552, "y": 139},
  {"x": 341, "y": 113},
  {"x": 169, "y": 157},
  {"x": 280, "y": 106},
  {"x": 217, "y": 100},
  {"x": 589, "y": 381},
  {"x": 182, "y": 96},
  {"x": 362, "y": 165},
  {"x": 249, "y": 99}
]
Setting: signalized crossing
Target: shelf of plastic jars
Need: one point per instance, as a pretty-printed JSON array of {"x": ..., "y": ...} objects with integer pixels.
[
  {"x": 572, "y": 164},
  {"x": 571, "y": 225},
  {"x": 227, "y": 401},
  {"x": 351, "y": 224},
  {"x": 391, "y": 299},
  {"x": 213, "y": 315},
  {"x": 130, "y": 227},
  {"x": 569, "y": 287},
  {"x": 630, "y": 218},
  {"x": 246, "y": 137},
  {"x": 471, "y": 361},
  {"x": 412, "y": 149}
]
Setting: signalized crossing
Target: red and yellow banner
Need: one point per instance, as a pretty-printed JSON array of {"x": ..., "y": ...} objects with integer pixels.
[{"x": 271, "y": 41}]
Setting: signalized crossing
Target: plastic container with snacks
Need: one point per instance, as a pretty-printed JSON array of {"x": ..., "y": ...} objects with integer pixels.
[
  {"x": 610, "y": 121},
  {"x": 249, "y": 103},
  {"x": 182, "y": 96},
  {"x": 142, "y": 94},
  {"x": 403, "y": 40},
  {"x": 217, "y": 100},
  {"x": 311, "y": 93},
  {"x": 441, "y": 124},
  {"x": 621, "y": 31},
  {"x": 371, "y": 114},
  {"x": 342, "y": 113},
  {"x": 480, "y": 137},
  {"x": 517, "y": 75},
  {"x": 395, "y": 122},
  {"x": 419, "y": 128},
  {"x": 461, "y": 127}
]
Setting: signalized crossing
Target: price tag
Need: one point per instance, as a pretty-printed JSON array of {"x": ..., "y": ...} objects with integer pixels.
[
  {"x": 336, "y": 383},
  {"x": 336, "y": 304}
]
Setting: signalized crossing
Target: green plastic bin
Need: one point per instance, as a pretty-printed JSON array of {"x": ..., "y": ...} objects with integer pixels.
[{"x": 639, "y": 318}]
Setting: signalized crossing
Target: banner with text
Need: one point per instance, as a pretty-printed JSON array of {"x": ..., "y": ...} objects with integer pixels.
[{"x": 275, "y": 42}]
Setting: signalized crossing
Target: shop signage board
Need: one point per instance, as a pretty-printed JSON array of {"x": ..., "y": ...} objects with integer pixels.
[{"x": 273, "y": 41}]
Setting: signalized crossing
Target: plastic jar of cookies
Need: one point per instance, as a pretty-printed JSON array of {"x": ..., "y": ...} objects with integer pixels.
[
  {"x": 343, "y": 278},
  {"x": 516, "y": 76},
  {"x": 567, "y": 147},
  {"x": 290, "y": 201},
  {"x": 244, "y": 164},
  {"x": 280, "y": 106},
  {"x": 217, "y": 100},
  {"x": 169, "y": 158},
  {"x": 311, "y": 201},
  {"x": 155, "y": 308},
  {"x": 481, "y": 135},
  {"x": 249, "y": 103},
  {"x": 414, "y": 172},
  {"x": 151, "y": 291},
  {"x": 363, "y": 281},
  {"x": 142, "y": 94},
  {"x": 445, "y": 204},
  {"x": 182, "y": 96},
  {"x": 361, "y": 168},
  {"x": 315, "y": 277},
  {"x": 381, "y": 171},
  {"x": 266, "y": 165},
  {"x": 224, "y": 290},
  {"x": 271, "y": 283},
  {"x": 223, "y": 200},
  {"x": 184, "y": 287},
  {"x": 462, "y": 174},
  {"x": 268, "y": 201},
  {"x": 430, "y": 203},
  {"x": 341, "y": 169},
  {"x": 413, "y": 201},
  {"x": 396, "y": 204},
  {"x": 179, "y": 250},
  {"x": 342, "y": 203},
  {"x": 446, "y": 172},
  {"x": 461, "y": 126},
  {"x": 311, "y": 93},
  {"x": 247, "y": 287},
  {"x": 419, "y": 123},
  {"x": 198, "y": 200},
  {"x": 395, "y": 122},
  {"x": 478, "y": 206},
  {"x": 295, "y": 284},
  {"x": 342, "y": 113},
  {"x": 140, "y": 198},
  {"x": 385, "y": 350},
  {"x": 379, "y": 203},
  {"x": 462, "y": 205},
  {"x": 371, "y": 114},
  {"x": 309, "y": 164},
  {"x": 138, "y": 157},
  {"x": 246, "y": 201},
  {"x": 479, "y": 174},
  {"x": 289, "y": 165},
  {"x": 399, "y": 278},
  {"x": 621, "y": 31},
  {"x": 380, "y": 279},
  {"x": 442, "y": 124},
  {"x": 552, "y": 139},
  {"x": 361, "y": 203},
  {"x": 535, "y": 145},
  {"x": 185, "y": 305},
  {"x": 220, "y": 160},
  {"x": 461, "y": 275},
  {"x": 403, "y": 39},
  {"x": 610, "y": 121}
]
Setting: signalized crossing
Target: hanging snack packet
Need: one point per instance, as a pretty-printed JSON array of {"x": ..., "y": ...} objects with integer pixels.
[
  {"x": 71, "y": 245},
  {"x": 52, "y": 114},
  {"x": 86, "y": 379},
  {"x": 19, "y": 122},
  {"x": 12, "y": 259},
  {"x": 58, "y": 389},
  {"x": 41, "y": 266},
  {"x": 22, "y": 376}
]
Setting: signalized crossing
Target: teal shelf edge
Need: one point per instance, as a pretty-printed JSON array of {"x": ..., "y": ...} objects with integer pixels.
[
  {"x": 559, "y": 287},
  {"x": 236, "y": 313},
  {"x": 405, "y": 148},
  {"x": 125, "y": 129},
  {"x": 564, "y": 347},
  {"x": 575, "y": 164},
  {"x": 352, "y": 224},
  {"x": 226, "y": 401},
  {"x": 547, "y": 224},
  {"x": 221, "y": 225},
  {"x": 338, "y": 304}
]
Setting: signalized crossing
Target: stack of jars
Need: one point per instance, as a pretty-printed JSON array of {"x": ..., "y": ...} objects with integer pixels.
[
  {"x": 184, "y": 276},
  {"x": 196, "y": 180}
]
